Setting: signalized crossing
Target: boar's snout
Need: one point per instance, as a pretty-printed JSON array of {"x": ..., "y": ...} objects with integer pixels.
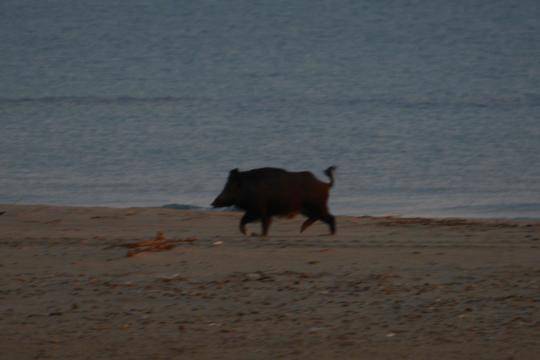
[
  {"x": 215, "y": 203},
  {"x": 221, "y": 201},
  {"x": 231, "y": 191}
]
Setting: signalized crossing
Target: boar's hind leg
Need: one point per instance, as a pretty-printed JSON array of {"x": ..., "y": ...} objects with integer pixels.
[
  {"x": 308, "y": 223},
  {"x": 266, "y": 221},
  {"x": 315, "y": 212},
  {"x": 247, "y": 218},
  {"x": 331, "y": 221}
]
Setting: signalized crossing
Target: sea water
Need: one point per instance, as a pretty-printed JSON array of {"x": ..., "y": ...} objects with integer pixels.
[{"x": 428, "y": 108}]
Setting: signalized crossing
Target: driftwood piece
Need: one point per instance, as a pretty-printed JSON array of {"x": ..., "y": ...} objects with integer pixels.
[{"x": 159, "y": 243}]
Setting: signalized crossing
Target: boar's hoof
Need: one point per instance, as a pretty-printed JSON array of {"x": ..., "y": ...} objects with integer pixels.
[{"x": 254, "y": 234}]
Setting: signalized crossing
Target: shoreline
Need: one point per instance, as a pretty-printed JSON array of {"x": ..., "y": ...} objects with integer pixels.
[
  {"x": 197, "y": 208},
  {"x": 138, "y": 283}
]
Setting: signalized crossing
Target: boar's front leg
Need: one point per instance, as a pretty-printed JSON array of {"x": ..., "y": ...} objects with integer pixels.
[{"x": 247, "y": 218}]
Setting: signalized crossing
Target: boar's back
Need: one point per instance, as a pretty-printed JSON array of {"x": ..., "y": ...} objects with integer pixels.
[{"x": 281, "y": 192}]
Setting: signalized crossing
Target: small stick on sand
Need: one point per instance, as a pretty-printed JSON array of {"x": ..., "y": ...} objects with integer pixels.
[{"x": 159, "y": 243}]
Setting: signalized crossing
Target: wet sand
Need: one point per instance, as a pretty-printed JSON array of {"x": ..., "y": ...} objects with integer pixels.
[{"x": 382, "y": 288}]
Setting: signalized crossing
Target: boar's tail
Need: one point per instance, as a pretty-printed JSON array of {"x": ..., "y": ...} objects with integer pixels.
[{"x": 330, "y": 173}]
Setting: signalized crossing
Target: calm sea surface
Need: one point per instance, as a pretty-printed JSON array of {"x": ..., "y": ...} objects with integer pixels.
[{"x": 427, "y": 107}]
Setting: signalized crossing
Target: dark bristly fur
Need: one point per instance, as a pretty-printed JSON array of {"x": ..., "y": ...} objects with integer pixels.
[{"x": 268, "y": 192}]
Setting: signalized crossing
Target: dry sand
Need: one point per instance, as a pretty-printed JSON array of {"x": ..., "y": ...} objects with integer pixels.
[{"x": 382, "y": 288}]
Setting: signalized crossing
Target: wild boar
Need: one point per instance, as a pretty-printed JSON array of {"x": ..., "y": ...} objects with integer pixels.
[{"x": 268, "y": 192}]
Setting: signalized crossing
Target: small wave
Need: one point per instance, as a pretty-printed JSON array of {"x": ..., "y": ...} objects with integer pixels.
[
  {"x": 96, "y": 100},
  {"x": 528, "y": 100},
  {"x": 496, "y": 210},
  {"x": 407, "y": 102},
  {"x": 183, "y": 207},
  {"x": 195, "y": 207}
]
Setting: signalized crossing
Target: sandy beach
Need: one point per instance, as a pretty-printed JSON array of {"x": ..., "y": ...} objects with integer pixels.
[{"x": 154, "y": 283}]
